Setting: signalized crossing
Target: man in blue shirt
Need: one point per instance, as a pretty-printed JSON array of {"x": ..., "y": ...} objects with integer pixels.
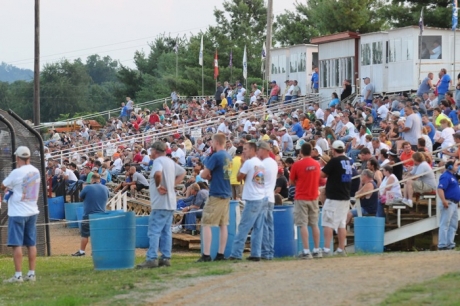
[
  {"x": 449, "y": 194},
  {"x": 453, "y": 116},
  {"x": 443, "y": 86},
  {"x": 94, "y": 198},
  {"x": 216, "y": 212},
  {"x": 315, "y": 81},
  {"x": 296, "y": 130},
  {"x": 431, "y": 129}
]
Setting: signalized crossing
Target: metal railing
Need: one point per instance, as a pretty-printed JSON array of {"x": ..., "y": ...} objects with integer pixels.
[
  {"x": 118, "y": 202},
  {"x": 200, "y": 124}
]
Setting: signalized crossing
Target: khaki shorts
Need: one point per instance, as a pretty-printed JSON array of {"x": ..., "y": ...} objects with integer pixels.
[
  {"x": 421, "y": 187},
  {"x": 335, "y": 213},
  {"x": 237, "y": 191},
  {"x": 215, "y": 212},
  {"x": 306, "y": 212}
]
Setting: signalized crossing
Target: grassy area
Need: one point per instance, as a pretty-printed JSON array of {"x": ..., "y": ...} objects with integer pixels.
[
  {"x": 439, "y": 291},
  {"x": 73, "y": 281}
]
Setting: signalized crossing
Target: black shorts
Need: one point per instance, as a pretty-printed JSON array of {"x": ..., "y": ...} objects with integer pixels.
[
  {"x": 85, "y": 227},
  {"x": 139, "y": 187}
]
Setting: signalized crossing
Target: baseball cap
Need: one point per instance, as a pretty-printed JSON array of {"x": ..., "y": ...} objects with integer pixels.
[
  {"x": 94, "y": 169},
  {"x": 159, "y": 146},
  {"x": 263, "y": 145},
  {"x": 311, "y": 108},
  {"x": 366, "y": 78},
  {"x": 274, "y": 82},
  {"x": 392, "y": 153},
  {"x": 396, "y": 114},
  {"x": 325, "y": 158},
  {"x": 282, "y": 129},
  {"x": 239, "y": 150},
  {"x": 22, "y": 151},
  {"x": 253, "y": 129},
  {"x": 338, "y": 144},
  {"x": 280, "y": 170},
  {"x": 239, "y": 84},
  {"x": 338, "y": 115}
]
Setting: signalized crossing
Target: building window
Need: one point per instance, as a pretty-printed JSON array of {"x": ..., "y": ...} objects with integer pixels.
[
  {"x": 430, "y": 47},
  {"x": 365, "y": 54},
  {"x": 302, "y": 62},
  {"x": 377, "y": 53},
  {"x": 333, "y": 71},
  {"x": 293, "y": 63}
]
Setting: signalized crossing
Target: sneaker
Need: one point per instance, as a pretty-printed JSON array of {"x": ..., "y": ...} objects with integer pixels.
[
  {"x": 148, "y": 264},
  {"x": 78, "y": 253},
  {"x": 233, "y": 258},
  {"x": 318, "y": 254},
  {"x": 252, "y": 258},
  {"x": 326, "y": 254},
  {"x": 14, "y": 279},
  {"x": 407, "y": 202},
  {"x": 305, "y": 256},
  {"x": 340, "y": 254},
  {"x": 443, "y": 249},
  {"x": 164, "y": 262},
  {"x": 30, "y": 278},
  {"x": 204, "y": 258},
  {"x": 220, "y": 257}
]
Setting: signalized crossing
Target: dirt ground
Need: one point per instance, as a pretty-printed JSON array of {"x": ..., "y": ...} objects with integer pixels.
[{"x": 355, "y": 280}]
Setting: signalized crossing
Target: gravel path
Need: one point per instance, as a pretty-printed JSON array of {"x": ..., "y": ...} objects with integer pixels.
[{"x": 355, "y": 280}]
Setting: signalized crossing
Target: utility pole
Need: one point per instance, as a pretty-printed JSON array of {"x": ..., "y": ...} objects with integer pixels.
[
  {"x": 37, "y": 65},
  {"x": 269, "y": 41}
]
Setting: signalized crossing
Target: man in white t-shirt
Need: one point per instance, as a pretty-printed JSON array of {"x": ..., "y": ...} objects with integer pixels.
[
  {"x": 23, "y": 186},
  {"x": 68, "y": 175},
  {"x": 328, "y": 117},
  {"x": 223, "y": 127},
  {"x": 318, "y": 112},
  {"x": 349, "y": 131},
  {"x": 271, "y": 170},
  {"x": 178, "y": 153},
  {"x": 248, "y": 124},
  {"x": 383, "y": 110},
  {"x": 252, "y": 172},
  {"x": 164, "y": 176},
  {"x": 241, "y": 93},
  {"x": 115, "y": 169}
]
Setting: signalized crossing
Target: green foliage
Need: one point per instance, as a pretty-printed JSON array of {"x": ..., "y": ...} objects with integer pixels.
[{"x": 292, "y": 28}]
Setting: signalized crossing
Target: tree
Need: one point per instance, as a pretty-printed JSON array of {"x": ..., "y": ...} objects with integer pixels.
[
  {"x": 407, "y": 13},
  {"x": 323, "y": 17},
  {"x": 101, "y": 70}
]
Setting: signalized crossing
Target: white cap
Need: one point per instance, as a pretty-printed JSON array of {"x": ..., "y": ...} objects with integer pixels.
[
  {"x": 282, "y": 129},
  {"x": 23, "y": 152},
  {"x": 338, "y": 144}
]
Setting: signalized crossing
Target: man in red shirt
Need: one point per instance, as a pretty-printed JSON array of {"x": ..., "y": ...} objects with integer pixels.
[
  {"x": 406, "y": 155},
  {"x": 274, "y": 92},
  {"x": 154, "y": 118},
  {"x": 137, "y": 155},
  {"x": 305, "y": 176}
]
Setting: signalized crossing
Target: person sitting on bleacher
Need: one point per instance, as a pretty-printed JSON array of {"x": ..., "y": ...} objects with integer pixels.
[
  {"x": 200, "y": 194},
  {"x": 423, "y": 184},
  {"x": 369, "y": 201}
]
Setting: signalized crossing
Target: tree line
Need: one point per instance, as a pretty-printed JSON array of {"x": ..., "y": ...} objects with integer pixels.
[{"x": 100, "y": 83}]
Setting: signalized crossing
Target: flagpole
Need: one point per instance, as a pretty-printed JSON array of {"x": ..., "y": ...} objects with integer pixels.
[
  {"x": 202, "y": 81},
  {"x": 420, "y": 24},
  {"x": 231, "y": 67},
  {"x": 177, "y": 61}
]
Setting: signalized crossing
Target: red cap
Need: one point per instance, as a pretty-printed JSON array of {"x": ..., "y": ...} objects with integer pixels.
[{"x": 280, "y": 170}]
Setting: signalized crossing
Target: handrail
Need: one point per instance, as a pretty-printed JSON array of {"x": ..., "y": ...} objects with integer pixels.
[
  {"x": 197, "y": 124},
  {"x": 118, "y": 202},
  {"x": 115, "y": 110}
]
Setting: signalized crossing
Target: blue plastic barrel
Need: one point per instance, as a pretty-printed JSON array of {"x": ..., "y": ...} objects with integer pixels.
[
  {"x": 79, "y": 211},
  {"x": 283, "y": 221},
  {"x": 311, "y": 243},
  {"x": 56, "y": 208},
  {"x": 231, "y": 228},
  {"x": 369, "y": 234},
  {"x": 71, "y": 213},
  {"x": 142, "y": 239},
  {"x": 113, "y": 240}
]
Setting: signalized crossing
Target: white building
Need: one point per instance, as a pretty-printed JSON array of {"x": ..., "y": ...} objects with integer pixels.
[
  {"x": 396, "y": 60},
  {"x": 294, "y": 63}
]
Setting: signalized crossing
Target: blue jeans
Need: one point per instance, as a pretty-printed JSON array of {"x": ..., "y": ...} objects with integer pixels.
[
  {"x": 441, "y": 97},
  {"x": 268, "y": 238},
  {"x": 252, "y": 217},
  {"x": 159, "y": 232},
  {"x": 353, "y": 154},
  {"x": 272, "y": 99},
  {"x": 448, "y": 225},
  {"x": 190, "y": 219},
  {"x": 287, "y": 99},
  {"x": 294, "y": 98},
  {"x": 346, "y": 138}
]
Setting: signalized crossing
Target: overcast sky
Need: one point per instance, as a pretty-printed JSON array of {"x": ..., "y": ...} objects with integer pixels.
[{"x": 78, "y": 28}]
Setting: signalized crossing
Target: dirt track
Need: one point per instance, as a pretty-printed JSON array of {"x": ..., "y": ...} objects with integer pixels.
[{"x": 355, "y": 280}]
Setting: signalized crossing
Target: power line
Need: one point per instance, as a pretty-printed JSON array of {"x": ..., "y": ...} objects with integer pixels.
[{"x": 28, "y": 60}]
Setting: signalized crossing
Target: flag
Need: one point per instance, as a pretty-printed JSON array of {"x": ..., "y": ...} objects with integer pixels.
[
  {"x": 264, "y": 52},
  {"x": 231, "y": 59},
  {"x": 200, "y": 60},
  {"x": 263, "y": 57},
  {"x": 454, "y": 15},
  {"x": 245, "y": 64},
  {"x": 216, "y": 66},
  {"x": 420, "y": 22}
]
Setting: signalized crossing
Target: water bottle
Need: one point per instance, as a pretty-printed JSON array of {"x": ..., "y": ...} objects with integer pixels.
[{"x": 7, "y": 196}]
